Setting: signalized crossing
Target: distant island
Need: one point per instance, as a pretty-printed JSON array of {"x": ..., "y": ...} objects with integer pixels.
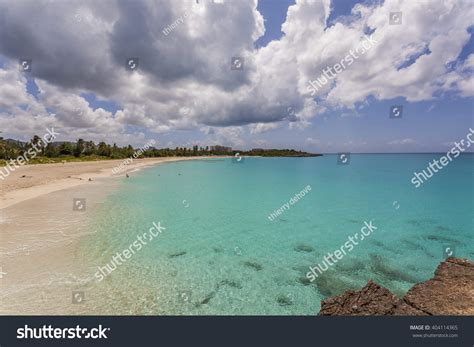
[{"x": 82, "y": 150}]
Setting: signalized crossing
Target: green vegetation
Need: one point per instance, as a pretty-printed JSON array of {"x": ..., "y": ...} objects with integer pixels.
[
  {"x": 81, "y": 150},
  {"x": 278, "y": 153}
]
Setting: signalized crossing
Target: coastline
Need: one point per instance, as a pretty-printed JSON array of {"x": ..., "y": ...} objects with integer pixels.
[
  {"x": 40, "y": 257},
  {"x": 31, "y": 181}
]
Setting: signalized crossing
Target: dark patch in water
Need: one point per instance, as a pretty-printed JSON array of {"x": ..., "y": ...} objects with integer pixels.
[
  {"x": 385, "y": 247},
  {"x": 229, "y": 283},
  {"x": 420, "y": 222},
  {"x": 208, "y": 298},
  {"x": 439, "y": 238},
  {"x": 381, "y": 266},
  {"x": 348, "y": 265},
  {"x": 329, "y": 284},
  {"x": 304, "y": 280},
  {"x": 442, "y": 228},
  {"x": 301, "y": 269},
  {"x": 412, "y": 245},
  {"x": 414, "y": 222},
  {"x": 174, "y": 255},
  {"x": 253, "y": 265},
  {"x": 354, "y": 221},
  {"x": 218, "y": 249},
  {"x": 377, "y": 243},
  {"x": 304, "y": 248},
  {"x": 417, "y": 247},
  {"x": 284, "y": 300}
]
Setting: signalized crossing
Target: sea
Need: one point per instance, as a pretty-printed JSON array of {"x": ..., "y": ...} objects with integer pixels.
[{"x": 220, "y": 251}]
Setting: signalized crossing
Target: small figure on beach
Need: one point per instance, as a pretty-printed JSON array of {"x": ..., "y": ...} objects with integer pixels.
[
  {"x": 127, "y": 175},
  {"x": 90, "y": 179}
]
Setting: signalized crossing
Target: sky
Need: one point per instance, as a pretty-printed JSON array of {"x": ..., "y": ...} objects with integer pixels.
[{"x": 126, "y": 72}]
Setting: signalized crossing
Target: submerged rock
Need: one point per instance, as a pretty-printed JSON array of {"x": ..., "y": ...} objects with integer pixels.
[
  {"x": 304, "y": 280},
  {"x": 229, "y": 283},
  {"x": 350, "y": 265},
  {"x": 218, "y": 249},
  {"x": 381, "y": 266},
  {"x": 253, "y": 265},
  {"x": 304, "y": 248},
  {"x": 331, "y": 283},
  {"x": 284, "y": 300},
  {"x": 450, "y": 292},
  {"x": 174, "y": 255},
  {"x": 207, "y": 298},
  {"x": 439, "y": 238}
]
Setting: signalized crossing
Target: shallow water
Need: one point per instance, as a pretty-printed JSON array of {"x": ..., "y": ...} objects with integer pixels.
[{"x": 220, "y": 254}]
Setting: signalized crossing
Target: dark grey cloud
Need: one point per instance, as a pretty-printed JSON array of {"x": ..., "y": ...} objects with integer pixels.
[
  {"x": 184, "y": 78},
  {"x": 66, "y": 40}
]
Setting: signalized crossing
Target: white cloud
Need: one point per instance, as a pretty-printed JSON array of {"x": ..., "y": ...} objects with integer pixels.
[
  {"x": 184, "y": 79},
  {"x": 259, "y": 128},
  {"x": 228, "y": 136},
  {"x": 402, "y": 142}
]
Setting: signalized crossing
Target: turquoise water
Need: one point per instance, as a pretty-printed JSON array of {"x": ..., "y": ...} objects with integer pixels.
[{"x": 220, "y": 254}]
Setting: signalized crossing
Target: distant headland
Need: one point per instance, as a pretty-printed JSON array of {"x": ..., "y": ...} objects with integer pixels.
[{"x": 81, "y": 150}]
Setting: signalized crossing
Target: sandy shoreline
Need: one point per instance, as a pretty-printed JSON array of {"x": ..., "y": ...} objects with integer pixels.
[
  {"x": 44, "y": 256},
  {"x": 31, "y": 181}
]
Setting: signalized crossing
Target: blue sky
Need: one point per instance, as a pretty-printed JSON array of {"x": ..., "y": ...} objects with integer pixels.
[
  {"x": 437, "y": 109},
  {"x": 449, "y": 117}
]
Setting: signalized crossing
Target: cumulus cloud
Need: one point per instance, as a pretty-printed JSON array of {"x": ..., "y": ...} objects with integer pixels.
[
  {"x": 259, "y": 128},
  {"x": 184, "y": 78},
  {"x": 229, "y": 136}
]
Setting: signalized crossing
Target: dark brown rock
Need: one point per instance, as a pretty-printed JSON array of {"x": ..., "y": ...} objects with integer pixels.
[
  {"x": 450, "y": 292},
  {"x": 370, "y": 300}
]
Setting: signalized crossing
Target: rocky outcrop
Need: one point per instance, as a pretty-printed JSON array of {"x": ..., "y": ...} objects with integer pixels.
[{"x": 450, "y": 292}]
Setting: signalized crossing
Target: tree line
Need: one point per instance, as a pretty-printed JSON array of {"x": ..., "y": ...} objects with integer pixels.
[{"x": 12, "y": 149}]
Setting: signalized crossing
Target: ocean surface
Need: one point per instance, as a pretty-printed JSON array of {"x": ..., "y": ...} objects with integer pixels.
[{"x": 221, "y": 254}]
